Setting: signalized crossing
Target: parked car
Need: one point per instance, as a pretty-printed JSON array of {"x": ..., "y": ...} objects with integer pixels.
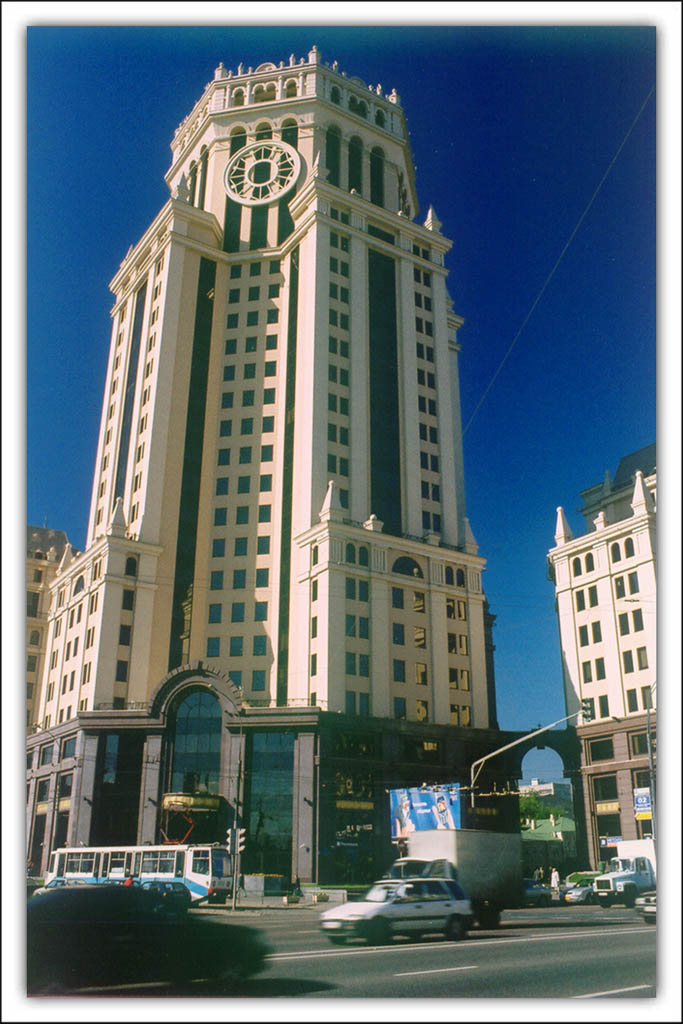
[
  {"x": 535, "y": 894},
  {"x": 411, "y": 906},
  {"x": 581, "y": 893},
  {"x": 647, "y": 907},
  {"x": 101, "y": 935},
  {"x": 58, "y": 883},
  {"x": 175, "y": 895}
]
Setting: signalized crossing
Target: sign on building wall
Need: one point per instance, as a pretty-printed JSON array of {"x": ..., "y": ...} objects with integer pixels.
[
  {"x": 642, "y": 804},
  {"x": 414, "y": 810}
]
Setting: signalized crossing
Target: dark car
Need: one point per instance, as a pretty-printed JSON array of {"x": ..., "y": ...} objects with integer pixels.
[
  {"x": 535, "y": 894},
  {"x": 175, "y": 895},
  {"x": 98, "y": 936}
]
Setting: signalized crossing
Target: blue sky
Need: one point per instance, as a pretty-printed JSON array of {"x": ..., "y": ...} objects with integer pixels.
[{"x": 513, "y": 129}]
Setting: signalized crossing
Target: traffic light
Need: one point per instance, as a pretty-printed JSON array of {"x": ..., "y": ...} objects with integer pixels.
[
  {"x": 228, "y": 840},
  {"x": 587, "y": 709},
  {"x": 241, "y": 839}
]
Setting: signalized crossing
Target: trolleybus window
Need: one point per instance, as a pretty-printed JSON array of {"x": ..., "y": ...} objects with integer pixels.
[
  {"x": 220, "y": 864},
  {"x": 200, "y": 862},
  {"x": 167, "y": 863},
  {"x": 116, "y": 862}
]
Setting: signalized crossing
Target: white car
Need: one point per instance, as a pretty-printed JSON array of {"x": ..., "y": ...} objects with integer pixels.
[{"x": 409, "y": 906}]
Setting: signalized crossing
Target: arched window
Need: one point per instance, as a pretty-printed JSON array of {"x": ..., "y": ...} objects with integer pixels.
[
  {"x": 264, "y": 131},
  {"x": 291, "y": 89},
  {"x": 379, "y": 118},
  {"x": 34, "y": 638},
  {"x": 615, "y": 552},
  {"x": 358, "y": 107},
  {"x": 460, "y": 578},
  {"x": 449, "y": 576},
  {"x": 590, "y": 564},
  {"x": 377, "y": 176},
  {"x": 406, "y": 566},
  {"x": 351, "y": 554},
  {"x": 290, "y": 133},
  {"x": 629, "y": 550},
  {"x": 314, "y": 555},
  {"x": 131, "y": 566},
  {"x": 264, "y": 93},
  {"x": 335, "y": 95},
  {"x": 197, "y": 744},
  {"x": 237, "y": 140},
  {"x": 363, "y": 556},
  {"x": 237, "y": 98},
  {"x": 333, "y": 154},
  {"x": 78, "y": 585},
  {"x": 576, "y": 567},
  {"x": 356, "y": 164}
]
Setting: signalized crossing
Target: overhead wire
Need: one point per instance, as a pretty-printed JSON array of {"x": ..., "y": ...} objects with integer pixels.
[{"x": 558, "y": 260}]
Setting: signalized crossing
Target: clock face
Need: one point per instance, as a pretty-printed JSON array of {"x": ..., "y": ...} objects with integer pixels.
[{"x": 261, "y": 172}]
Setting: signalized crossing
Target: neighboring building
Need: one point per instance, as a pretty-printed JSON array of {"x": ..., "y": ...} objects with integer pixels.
[
  {"x": 277, "y": 534},
  {"x": 605, "y": 586},
  {"x": 558, "y": 794},
  {"x": 44, "y": 551},
  {"x": 548, "y": 843}
]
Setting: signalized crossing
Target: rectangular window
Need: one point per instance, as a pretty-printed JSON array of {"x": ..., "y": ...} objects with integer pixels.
[
  {"x": 399, "y": 671},
  {"x": 350, "y": 588},
  {"x": 213, "y": 646},
  {"x": 260, "y": 611},
  {"x": 121, "y": 671},
  {"x": 124, "y": 636},
  {"x": 623, "y": 624},
  {"x": 350, "y": 625},
  {"x": 641, "y": 654},
  {"x": 597, "y": 632},
  {"x": 601, "y": 749},
  {"x": 398, "y": 633},
  {"x": 216, "y": 580},
  {"x": 420, "y": 673},
  {"x": 350, "y": 663},
  {"x": 633, "y": 587},
  {"x": 237, "y": 611},
  {"x": 218, "y": 548},
  {"x": 350, "y": 705},
  {"x": 603, "y": 704},
  {"x": 587, "y": 671},
  {"x": 619, "y": 586},
  {"x": 396, "y": 597},
  {"x": 637, "y": 620},
  {"x": 583, "y": 636},
  {"x": 239, "y": 579},
  {"x": 632, "y": 700},
  {"x": 363, "y": 665},
  {"x": 220, "y": 516},
  {"x": 263, "y": 545},
  {"x": 261, "y": 577},
  {"x": 422, "y": 710},
  {"x": 646, "y": 696},
  {"x": 258, "y": 679},
  {"x": 259, "y": 646},
  {"x": 627, "y": 658},
  {"x": 600, "y": 668},
  {"x": 418, "y": 601},
  {"x": 419, "y": 636},
  {"x": 215, "y": 612},
  {"x": 236, "y": 646},
  {"x": 593, "y": 597},
  {"x": 399, "y": 707}
]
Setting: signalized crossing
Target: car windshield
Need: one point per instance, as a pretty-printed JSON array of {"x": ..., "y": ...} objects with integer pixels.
[{"x": 380, "y": 893}]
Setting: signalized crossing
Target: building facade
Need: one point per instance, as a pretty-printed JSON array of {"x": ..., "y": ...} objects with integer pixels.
[
  {"x": 277, "y": 533},
  {"x": 605, "y": 587},
  {"x": 44, "y": 551}
]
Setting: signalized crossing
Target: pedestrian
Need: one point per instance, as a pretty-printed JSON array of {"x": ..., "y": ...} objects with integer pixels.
[
  {"x": 555, "y": 880},
  {"x": 128, "y": 881},
  {"x": 538, "y": 875},
  {"x": 296, "y": 888}
]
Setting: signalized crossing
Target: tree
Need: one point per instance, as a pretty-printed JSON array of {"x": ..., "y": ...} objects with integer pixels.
[{"x": 533, "y": 807}]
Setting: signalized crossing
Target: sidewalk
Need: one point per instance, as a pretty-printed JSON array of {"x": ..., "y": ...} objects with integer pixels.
[{"x": 273, "y": 901}]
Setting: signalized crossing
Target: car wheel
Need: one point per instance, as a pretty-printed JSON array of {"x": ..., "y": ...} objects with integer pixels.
[
  {"x": 630, "y": 898},
  {"x": 378, "y": 933},
  {"x": 337, "y": 940},
  {"x": 590, "y": 899},
  {"x": 455, "y": 929}
]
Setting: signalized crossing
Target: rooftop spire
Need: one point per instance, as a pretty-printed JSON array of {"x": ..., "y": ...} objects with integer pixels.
[{"x": 563, "y": 534}]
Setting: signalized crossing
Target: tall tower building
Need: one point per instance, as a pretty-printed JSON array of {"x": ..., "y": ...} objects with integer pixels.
[
  {"x": 278, "y": 499},
  {"x": 606, "y": 585}
]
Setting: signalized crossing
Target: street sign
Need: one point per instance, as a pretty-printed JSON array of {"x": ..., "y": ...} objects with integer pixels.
[{"x": 642, "y": 804}]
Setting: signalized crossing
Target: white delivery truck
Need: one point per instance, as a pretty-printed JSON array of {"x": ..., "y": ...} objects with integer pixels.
[
  {"x": 488, "y": 865},
  {"x": 632, "y": 872}
]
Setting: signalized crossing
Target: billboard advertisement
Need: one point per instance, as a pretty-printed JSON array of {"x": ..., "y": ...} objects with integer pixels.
[{"x": 414, "y": 810}]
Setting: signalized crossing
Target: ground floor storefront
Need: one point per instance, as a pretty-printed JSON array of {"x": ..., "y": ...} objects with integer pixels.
[{"x": 310, "y": 788}]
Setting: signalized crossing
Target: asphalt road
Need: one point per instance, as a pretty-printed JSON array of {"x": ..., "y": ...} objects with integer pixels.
[{"x": 559, "y": 953}]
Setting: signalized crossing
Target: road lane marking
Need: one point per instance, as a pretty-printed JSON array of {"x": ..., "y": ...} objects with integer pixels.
[
  {"x": 612, "y": 992},
  {"x": 466, "y": 944},
  {"x": 437, "y": 970}
]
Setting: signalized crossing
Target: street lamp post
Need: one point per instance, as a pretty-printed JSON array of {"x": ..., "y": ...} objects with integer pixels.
[
  {"x": 480, "y": 763},
  {"x": 651, "y": 770}
]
